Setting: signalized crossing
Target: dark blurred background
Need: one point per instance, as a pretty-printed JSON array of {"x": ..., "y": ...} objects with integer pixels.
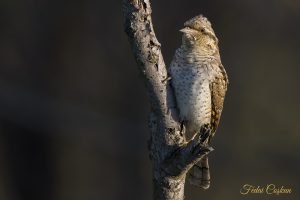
[{"x": 73, "y": 109}]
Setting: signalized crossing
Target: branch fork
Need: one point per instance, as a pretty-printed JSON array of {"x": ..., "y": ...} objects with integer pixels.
[
  {"x": 186, "y": 156},
  {"x": 171, "y": 156}
]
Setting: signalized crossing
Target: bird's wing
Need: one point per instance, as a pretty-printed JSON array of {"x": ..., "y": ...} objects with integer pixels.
[{"x": 218, "y": 88}]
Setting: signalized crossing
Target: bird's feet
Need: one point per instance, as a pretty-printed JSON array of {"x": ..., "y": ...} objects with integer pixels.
[
  {"x": 182, "y": 128},
  {"x": 204, "y": 132}
]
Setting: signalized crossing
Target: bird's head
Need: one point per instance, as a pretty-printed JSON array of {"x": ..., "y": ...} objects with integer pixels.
[{"x": 199, "y": 36}]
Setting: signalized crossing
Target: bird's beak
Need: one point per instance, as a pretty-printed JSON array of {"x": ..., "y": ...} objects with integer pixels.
[{"x": 186, "y": 30}]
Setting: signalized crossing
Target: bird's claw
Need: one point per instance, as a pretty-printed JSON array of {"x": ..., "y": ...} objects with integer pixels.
[
  {"x": 204, "y": 132},
  {"x": 166, "y": 80}
]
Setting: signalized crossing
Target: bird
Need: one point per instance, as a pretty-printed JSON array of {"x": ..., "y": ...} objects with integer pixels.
[{"x": 200, "y": 83}]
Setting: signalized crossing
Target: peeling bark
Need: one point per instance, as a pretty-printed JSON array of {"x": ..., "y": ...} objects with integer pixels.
[{"x": 171, "y": 156}]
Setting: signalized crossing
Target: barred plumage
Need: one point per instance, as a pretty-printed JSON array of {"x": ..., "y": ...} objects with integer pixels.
[{"x": 200, "y": 84}]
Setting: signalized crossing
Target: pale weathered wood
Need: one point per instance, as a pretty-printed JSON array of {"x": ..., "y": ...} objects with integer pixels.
[{"x": 171, "y": 156}]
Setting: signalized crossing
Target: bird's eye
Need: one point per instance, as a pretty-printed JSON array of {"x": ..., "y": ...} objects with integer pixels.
[{"x": 202, "y": 30}]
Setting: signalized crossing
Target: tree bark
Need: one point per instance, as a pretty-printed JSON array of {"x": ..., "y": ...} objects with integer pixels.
[{"x": 171, "y": 155}]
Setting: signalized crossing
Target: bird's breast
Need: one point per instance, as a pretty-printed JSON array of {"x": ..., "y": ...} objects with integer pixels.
[{"x": 191, "y": 83}]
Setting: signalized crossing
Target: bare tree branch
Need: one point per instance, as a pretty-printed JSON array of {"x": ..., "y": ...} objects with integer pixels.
[{"x": 171, "y": 156}]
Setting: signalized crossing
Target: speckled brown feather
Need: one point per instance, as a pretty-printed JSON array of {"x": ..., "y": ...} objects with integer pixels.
[
  {"x": 218, "y": 90},
  {"x": 200, "y": 84}
]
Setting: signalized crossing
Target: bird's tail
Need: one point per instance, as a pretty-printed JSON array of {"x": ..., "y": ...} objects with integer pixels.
[{"x": 199, "y": 174}]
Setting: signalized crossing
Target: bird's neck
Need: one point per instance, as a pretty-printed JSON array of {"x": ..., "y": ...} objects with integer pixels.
[{"x": 200, "y": 51}]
